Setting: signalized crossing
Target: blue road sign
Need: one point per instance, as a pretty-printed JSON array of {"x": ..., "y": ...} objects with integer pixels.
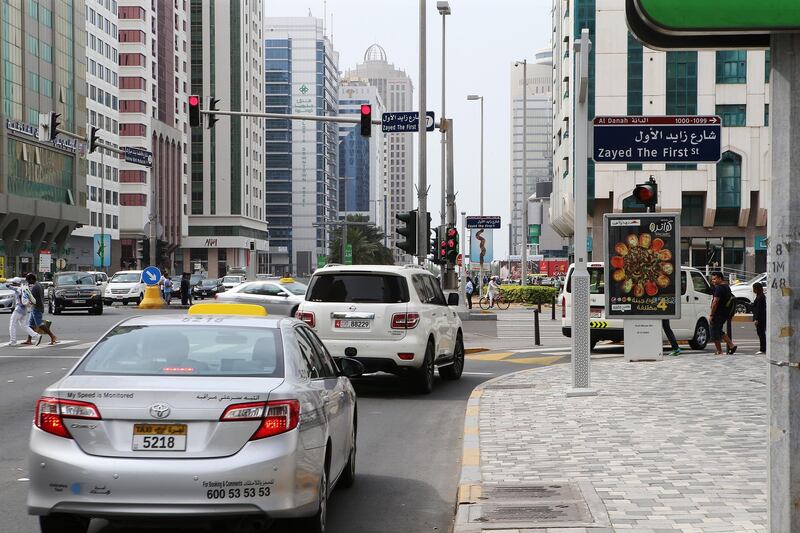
[
  {"x": 670, "y": 139},
  {"x": 151, "y": 275},
  {"x": 138, "y": 156},
  {"x": 482, "y": 222},
  {"x": 405, "y": 121}
]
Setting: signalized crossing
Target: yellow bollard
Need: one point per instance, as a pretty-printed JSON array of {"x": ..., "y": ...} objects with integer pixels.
[{"x": 152, "y": 298}]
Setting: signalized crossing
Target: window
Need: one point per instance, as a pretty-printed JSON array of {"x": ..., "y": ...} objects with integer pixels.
[
  {"x": 700, "y": 284},
  {"x": 766, "y": 114},
  {"x": 132, "y": 130},
  {"x": 731, "y": 66},
  {"x": 681, "y": 83},
  {"x": 729, "y": 189},
  {"x": 132, "y": 176},
  {"x": 132, "y": 60},
  {"x": 322, "y": 359},
  {"x": 635, "y": 62},
  {"x": 767, "y": 65},
  {"x": 733, "y": 115},
  {"x": 131, "y": 36},
  {"x": 132, "y": 106},
  {"x": 312, "y": 363},
  {"x": 126, "y": 82},
  {"x": 692, "y": 210},
  {"x": 352, "y": 288},
  {"x": 132, "y": 199},
  {"x": 733, "y": 253}
]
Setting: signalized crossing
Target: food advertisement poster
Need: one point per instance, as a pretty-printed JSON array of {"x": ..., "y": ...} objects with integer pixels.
[{"x": 642, "y": 271}]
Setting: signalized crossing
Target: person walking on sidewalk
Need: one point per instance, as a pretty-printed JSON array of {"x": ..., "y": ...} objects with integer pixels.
[
  {"x": 23, "y": 300},
  {"x": 760, "y": 318},
  {"x": 469, "y": 289},
  {"x": 676, "y": 350},
  {"x": 720, "y": 313},
  {"x": 37, "y": 321}
]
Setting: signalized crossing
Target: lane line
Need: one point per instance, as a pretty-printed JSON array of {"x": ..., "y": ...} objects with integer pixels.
[
  {"x": 477, "y": 373},
  {"x": 40, "y": 357}
]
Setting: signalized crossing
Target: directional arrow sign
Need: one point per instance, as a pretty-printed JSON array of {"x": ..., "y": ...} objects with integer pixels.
[{"x": 151, "y": 275}]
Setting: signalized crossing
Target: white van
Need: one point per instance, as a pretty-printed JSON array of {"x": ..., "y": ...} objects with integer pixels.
[
  {"x": 692, "y": 327},
  {"x": 124, "y": 286}
]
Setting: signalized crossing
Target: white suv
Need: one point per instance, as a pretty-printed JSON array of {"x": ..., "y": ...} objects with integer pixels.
[{"x": 391, "y": 318}]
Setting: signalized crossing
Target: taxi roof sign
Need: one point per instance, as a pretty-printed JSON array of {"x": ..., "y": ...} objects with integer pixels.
[
  {"x": 228, "y": 309},
  {"x": 286, "y": 280}
]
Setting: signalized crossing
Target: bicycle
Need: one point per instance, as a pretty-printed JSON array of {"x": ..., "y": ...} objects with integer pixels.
[{"x": 499, "y": 301}]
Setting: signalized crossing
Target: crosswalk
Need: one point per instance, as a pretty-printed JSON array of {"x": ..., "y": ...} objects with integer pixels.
[
  {"x": 66, "y": 344},
  {"x": 520, "y": 325}
]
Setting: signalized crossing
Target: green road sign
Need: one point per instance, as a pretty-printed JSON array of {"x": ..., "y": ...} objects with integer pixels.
[{"x": 348, "y": 254}]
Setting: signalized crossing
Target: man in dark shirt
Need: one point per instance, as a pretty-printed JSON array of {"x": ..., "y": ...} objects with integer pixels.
[
  {"x": 760, "y": 317},
  {"x": 37, "y": 321},
  {"x": 720, "y": 313}
]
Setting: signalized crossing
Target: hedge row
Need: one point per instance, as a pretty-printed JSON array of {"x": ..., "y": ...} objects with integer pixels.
[{"x": 529, "y": 294}]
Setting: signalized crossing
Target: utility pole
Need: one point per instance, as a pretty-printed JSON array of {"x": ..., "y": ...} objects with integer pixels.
[
  {"x": 524, "y": 270},
  {"x": 444, "y": 10},
  {"x": 581, "y": 344},
  {"x": 450, "y": 278},
  {"x": 422, "y": 191},
  {"x": 103, "y": 213},
  {"x": 783, "y": 281}
]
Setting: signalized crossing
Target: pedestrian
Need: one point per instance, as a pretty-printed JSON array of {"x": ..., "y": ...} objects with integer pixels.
[
  {"x": 720, "y": 313},
  {"x": 676, "y": 350},
  {"x": 166, "y": 287},
  {"x": 23, "y": 300},
  {"x": 760, "y": 318},
  {"x": 37, "y": 321},
  {"x": 469, "y": 289},
  {"x": 186, "y": 291}
]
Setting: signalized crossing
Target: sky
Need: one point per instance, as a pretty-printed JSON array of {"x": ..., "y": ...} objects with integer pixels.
[{"x": 483, "y": 39}]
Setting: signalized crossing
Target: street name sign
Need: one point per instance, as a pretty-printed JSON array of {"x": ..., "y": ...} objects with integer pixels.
[
  {"x": 663, "y": 139},
  {"x": 405, "y": 121},
  {"x": 138, "y": 156},
  {"x": 483, "y": 222}
]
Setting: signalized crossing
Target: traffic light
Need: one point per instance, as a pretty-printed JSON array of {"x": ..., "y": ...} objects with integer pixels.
[
  {"x": 194, "y": 111},
  {"x": 452, "y": 245},
  {"x": 53, "y": 124},
  {"x": 647, "y": 193},
  {"x": 92, "y": 138},
  {"x": 409, "y": 246},
  {"x": 143, "y": 251},
  {"x": 366, "y": 120},
  {"x": 436, "y": 244},
  {"x": 427, "y": 228},
  {"x": 212, "y": 106}
]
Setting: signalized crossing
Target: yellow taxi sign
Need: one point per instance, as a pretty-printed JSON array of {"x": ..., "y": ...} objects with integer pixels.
[
  {"x": 228, "y": 309},
  {"x": 286, "y": 280}
]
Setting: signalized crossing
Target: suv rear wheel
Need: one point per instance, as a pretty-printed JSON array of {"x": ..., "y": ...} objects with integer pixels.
[
  {"x": 453, "y": 372},
  {"x": 422, "y": 378}
]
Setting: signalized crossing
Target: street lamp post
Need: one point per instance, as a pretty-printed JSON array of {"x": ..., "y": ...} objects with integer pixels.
[
  {"x": 422, "y": 192},
  {"x": 444, "y": 10},
  {"x": 477, "y": 97},
  {"x": 524, "y": 269}
]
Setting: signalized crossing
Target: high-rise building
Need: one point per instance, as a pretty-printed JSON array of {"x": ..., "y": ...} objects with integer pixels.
[
  {"x": 537, "y": 146},
  {"x": 102, "y": 172},
  {"x": 227, "y": 226},
  {"x": 723, "y": 206},
  {"x": 363, "y": 181},
  {"x": 302, "y": 77},
  {"x": 397, "y": 92},
  {"x": 42, "y": 184},
  {"x": 153, "y": 116}
]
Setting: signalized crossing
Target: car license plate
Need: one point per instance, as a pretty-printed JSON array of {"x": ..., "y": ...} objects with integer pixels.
[
  {"x": 351, "y": 324},
  {"x": 79, "y": 301},
  {"x": 159, "y": 437}
]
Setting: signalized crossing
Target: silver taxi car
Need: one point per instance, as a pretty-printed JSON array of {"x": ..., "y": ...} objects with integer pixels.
[
  {"x": 279, "y": 296},
  {"x": 196, "y": 417}
]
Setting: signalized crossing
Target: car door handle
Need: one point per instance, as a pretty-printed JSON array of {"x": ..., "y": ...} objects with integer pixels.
[{"x": 433, "y": 314}]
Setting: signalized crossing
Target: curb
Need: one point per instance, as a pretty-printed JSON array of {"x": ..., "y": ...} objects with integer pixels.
[{"x": 468, "y": 351}]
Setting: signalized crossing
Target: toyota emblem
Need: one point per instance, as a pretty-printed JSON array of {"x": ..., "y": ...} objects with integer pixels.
[
  {"x": 159, "y": 410},
  {"x": 352, "y": 308}
]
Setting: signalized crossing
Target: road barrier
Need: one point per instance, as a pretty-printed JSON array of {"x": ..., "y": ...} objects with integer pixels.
[{"x": 537, "y": 339}]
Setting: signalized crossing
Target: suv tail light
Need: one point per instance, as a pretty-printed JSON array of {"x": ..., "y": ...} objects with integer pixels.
[
  {"x": 276, "y": 417},
  {"x": 51, "y": 412},
  {"x": 307, "y": 317},
  {"x": 405, "y": 320},
  {"x": 563, "y": 307}
]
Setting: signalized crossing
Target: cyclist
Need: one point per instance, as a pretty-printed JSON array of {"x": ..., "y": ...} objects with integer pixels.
[{"x": 494, "y": 289}]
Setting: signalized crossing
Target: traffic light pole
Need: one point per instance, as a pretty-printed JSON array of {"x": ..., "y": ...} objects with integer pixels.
[
  {"x": 422, "y": 188},
  {"x": 449, "y": 275}
]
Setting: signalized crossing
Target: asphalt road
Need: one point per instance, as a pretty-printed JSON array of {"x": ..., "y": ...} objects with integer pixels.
[{"x": 409, "y": 447}]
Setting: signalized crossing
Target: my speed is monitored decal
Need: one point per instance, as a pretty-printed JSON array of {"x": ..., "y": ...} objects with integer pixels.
[{"x": 721, "y": 15}]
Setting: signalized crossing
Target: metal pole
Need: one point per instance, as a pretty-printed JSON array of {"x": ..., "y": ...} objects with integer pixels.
[
  {"x": 153, "y": 217},
  {"x": 537, "y": 338},
  {"x": 481, "y": 155},
  {"x": 451, "y": 283},
  {"x": 524, "y": 270},
  {"x": 580, "y": 276},
  {"x": 783, "y": 258},
  {"x": 444, "y": 170},
  {"x": 422, "y": 190},
  {"x": 464, "y": 252},
  {"x": 102, "y": 212}
]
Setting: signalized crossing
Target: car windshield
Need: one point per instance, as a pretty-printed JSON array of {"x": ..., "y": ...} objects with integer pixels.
[
  {"x": 231, "y": 279},
  {"x": 755, "y": 280},
  {"x": 187, "y": 350},
  {"x": 75, "y": 279},
  {"x": 295, "y": 288},
  {"x": 128, "y": 277},
  {"x": 196, "y": 279},
  {"x": 358, "y": 287},
  {"x": 597, "y": 283}
]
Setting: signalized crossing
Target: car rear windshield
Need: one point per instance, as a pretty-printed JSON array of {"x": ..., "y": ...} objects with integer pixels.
[
  {"x": 131, "y": 277},
  {"x": 75, "y": 279},
  {"x": 597, "y": 283},
  {"x": 187, "y": 350},
  {"x": 358, "y": 287},
  {"x": 231, "y": 279}
]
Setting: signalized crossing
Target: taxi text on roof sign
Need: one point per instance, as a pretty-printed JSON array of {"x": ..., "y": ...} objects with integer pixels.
[{"x": 228, "y": 309}]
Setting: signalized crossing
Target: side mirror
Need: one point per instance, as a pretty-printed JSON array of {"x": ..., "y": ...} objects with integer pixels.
[
  {"x": 452, "y": 299},
  {"x": 349, "y": 368}
]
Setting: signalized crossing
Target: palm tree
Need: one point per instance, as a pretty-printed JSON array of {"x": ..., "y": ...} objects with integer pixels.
[{"x": 367, "y": 243}]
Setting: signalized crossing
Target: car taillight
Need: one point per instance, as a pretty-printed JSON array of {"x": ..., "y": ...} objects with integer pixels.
[
  {"x": 563, "y": 307},
  {"x": 51, "y": 412},
  {"x": 276, "y": 417},
  {"x": 405, "y": 320},
  {"x": 306, "y": 317}
]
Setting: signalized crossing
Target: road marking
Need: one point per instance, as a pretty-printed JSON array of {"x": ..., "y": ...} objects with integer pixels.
[
  {"x": 23, "y": 479},
  {"x": 40, "y": 357},
  {"x": 544, "y": 361},
  {"x": 84, "y": 346},
  {"x": 498, "y": 356},
  {"x": 477, "y": 373},
  {"x": 39, "y": 347}
]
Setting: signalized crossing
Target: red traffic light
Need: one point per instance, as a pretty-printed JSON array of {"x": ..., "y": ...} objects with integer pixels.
[
  {"x": 644, "y": 193},
  {"x": 366, "y": 109},
  {"x": 451, "y": 233},
  {"x": 451, "y": 243},
  {"x": 194, "y": 100}
]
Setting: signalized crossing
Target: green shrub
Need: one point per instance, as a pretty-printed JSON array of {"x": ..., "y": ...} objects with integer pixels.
[{"x": 529, "y": 294}]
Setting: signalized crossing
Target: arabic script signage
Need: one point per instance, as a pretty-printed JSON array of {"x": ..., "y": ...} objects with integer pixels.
[{"x": 670, "y": 139}]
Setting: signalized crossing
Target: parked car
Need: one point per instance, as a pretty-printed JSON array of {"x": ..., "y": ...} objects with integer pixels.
[
  {"x": 194, "y": 281},
  {"x": 695, "y": 305},
  {"x": 231, "y": 281},
  {"x": 75, "y": 290},
  {"x": 186, "y": 419},
  {"x": 743, "y": 293},
  {"x": 391, "y": 318},
  {"x": 280, "y": 296},
  {"x": 207, "y": 288},
  {"x": 6, "y": 298},
  {"x": 125, "y": 286}
]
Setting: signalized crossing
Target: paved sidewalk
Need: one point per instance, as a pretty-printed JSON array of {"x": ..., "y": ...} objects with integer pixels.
[{"x": 678, "y": 445}]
